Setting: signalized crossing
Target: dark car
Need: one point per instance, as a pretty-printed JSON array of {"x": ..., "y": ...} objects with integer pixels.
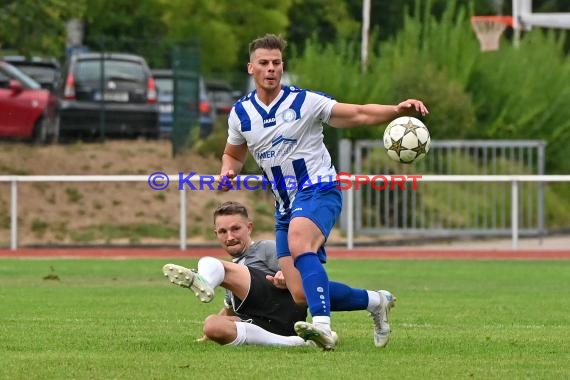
[
  {"x": 222, "y": 94},
  {"x": 26, "y": 110},
  {"x": 108, "y": 94},
  {"x": 165, "y": 87},
  {"x": 44, "y": 70}
]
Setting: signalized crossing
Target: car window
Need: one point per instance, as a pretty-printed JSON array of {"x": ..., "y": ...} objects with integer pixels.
[
  {"x": 164, "y": 84},
  {"x": 40, "y": 73},
  {"x": 14, "y": 73},
  {"x": 114, "y": 69},
  {"x": 4, "y": 79}
]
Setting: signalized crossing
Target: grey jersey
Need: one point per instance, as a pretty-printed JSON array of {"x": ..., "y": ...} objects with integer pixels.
[{"x": 260, "y": 255}]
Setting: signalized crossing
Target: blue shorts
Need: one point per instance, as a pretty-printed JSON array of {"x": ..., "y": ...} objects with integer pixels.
[{"x": 321, "y": 205}]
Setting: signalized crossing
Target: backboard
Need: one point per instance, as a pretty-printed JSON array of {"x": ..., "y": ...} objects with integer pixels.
[{"x": 524, "y": 19}]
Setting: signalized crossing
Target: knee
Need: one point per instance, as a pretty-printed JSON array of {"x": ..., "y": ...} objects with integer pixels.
[
  {"x": 297, "y": 242},
  {"x": 212, "y": 328}
]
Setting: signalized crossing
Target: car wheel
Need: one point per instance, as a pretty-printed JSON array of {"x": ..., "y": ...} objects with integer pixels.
[
  {"x": 54, "y": 135},
  {"x": 39, "y": 135}
]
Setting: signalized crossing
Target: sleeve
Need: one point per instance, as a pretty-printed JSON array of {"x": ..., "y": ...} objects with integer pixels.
[
  {"x": 234, "y": 130},
  {"x": 322, "y": 105}
]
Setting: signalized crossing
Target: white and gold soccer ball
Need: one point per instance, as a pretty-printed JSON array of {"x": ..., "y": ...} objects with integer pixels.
[{"x": 406, "y": 140}]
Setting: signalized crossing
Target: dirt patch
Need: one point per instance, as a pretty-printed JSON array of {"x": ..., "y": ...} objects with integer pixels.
[{"x": 112, "y": 212}]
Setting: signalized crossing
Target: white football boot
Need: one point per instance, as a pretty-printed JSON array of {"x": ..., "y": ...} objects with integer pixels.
[
  {"x": 380, "y": 317},
  {"x": 187, "y": 278},
  {"x": 310, "y": 332}
]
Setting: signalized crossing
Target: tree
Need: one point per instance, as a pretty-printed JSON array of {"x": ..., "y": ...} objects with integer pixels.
[
  {"x": 126, "y": 25},
  {"x": 224, "y": 27},
  {"x": 326, "y": 20},
  {"x": 30, "y": 26}
]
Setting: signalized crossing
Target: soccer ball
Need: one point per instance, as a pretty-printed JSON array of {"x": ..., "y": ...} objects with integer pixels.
[{"x": 406, "y": 140}]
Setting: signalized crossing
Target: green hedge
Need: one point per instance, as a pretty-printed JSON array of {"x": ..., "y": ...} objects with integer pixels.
[{"x": 507, "y": 94}]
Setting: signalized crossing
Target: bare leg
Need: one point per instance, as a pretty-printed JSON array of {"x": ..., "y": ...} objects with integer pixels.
[
  {"x": 304, "y": 236},
  {"x": 221, "y": 328},
  {"x": 231, "y": 330},
  {"x": 236, "y": 279},
  {"x": 293, "y": 280}
]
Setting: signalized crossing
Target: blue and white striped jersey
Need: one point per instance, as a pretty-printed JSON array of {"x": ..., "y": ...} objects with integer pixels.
[{"x": 285, "y": 139}]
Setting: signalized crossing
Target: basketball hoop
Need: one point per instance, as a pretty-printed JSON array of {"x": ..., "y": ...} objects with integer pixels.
[{"x": 489, "y": 29}]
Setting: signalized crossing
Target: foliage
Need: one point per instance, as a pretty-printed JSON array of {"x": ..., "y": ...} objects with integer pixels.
[
  {"x": 119, "y": 26},
  {"x": 399, "y": 69},
  {"x": 516, "y": 100},
  {"x": 497, "y": 95},
  {"x": 213, "y": 146},
  {"x": 423, "y": 49},
  {"x": 223, "y": 27},
  {"x": 37, "y": 27},
  {"x": 328, "y": 21}
]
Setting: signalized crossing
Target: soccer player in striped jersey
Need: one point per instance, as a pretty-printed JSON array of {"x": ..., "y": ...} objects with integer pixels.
[{"x": 282, "y": 128}]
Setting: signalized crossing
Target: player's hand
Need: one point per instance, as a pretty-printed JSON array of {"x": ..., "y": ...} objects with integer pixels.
[
  {"x": 278, "y": 280},
  {"x": 226, "y": 181},
  {"x": 411, "y": 106}
]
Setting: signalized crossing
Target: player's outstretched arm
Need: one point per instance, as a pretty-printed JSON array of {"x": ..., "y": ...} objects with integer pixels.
[{"x": 345, "y": 115}]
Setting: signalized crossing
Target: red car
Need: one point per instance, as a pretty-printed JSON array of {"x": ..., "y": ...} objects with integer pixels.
[{"x": 26, "y": 110}]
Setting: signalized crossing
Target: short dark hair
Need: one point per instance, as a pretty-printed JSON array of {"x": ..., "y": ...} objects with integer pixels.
[
  {"x": 269, "y": 42},
  {"x": 230, "y": 208}
]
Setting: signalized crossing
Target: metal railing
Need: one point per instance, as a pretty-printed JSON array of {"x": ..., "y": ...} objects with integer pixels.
[
  {"x": 406, "y": 211},
  {"x": 514, "y": 180}
]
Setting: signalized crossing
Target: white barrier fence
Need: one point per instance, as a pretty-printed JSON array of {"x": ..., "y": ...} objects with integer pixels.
[{"x": 515, "y": 181}]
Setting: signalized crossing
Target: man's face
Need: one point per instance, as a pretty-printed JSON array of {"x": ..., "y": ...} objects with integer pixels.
[
  {"x": 233, "y": 233},
  {"x": 266, "y": 68}
]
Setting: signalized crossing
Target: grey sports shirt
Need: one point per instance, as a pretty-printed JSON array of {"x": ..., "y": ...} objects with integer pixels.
[{"x": 260, "y": 255}]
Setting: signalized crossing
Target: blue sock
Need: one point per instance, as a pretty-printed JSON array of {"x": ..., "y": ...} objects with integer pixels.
[
  {"x": 345, "y": 298},
  {"x": 315, "y": 283}
]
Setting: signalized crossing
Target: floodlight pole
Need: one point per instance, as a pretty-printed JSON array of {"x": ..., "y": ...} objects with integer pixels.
[{"x": 365, "y": 34}]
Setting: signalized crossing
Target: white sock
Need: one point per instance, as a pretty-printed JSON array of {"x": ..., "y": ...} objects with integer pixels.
[
  {"x": 212, "y": 270},
  {"x": 322, "y": 322},
  {"x": 373, "y": 300},
  {"x": 248, "y": 333}
]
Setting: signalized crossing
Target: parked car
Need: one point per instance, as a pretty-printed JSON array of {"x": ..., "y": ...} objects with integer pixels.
[
  {"x": 165, "y": 86},
  {"x": 44, "y": 70},
  {"x": 108, "y": 94},
  {"x": 222, "y": 95},
  {"x": 26, "y": 110}
]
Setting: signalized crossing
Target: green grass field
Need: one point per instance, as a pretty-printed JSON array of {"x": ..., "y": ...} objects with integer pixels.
[{"x": 106, "y": 319}]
